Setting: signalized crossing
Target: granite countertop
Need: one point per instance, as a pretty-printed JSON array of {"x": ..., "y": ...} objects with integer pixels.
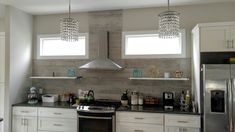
[
  {"x": 52, "y": 105},
  {"x": 158, "y": 109},
  {"x": 155, "y": 109}
]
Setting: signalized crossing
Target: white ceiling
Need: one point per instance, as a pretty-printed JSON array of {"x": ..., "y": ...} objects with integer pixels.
[{"x": 61, "y": 6}]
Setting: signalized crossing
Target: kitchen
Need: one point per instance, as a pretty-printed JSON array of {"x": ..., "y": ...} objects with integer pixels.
[{"x": 105, "y": 84}]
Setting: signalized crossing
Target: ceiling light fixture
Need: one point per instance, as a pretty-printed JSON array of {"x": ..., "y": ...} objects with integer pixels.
[
  {"x": 69, "y": 28},
  {"x": 169, "y": 24}
]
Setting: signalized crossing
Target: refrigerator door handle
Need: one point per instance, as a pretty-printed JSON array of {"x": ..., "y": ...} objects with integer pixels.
[{"x": 230, "y": 105}]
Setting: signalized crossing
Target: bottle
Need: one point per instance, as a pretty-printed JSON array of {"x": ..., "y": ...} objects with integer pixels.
[
  {"x": 124, "y": 98},
  {"x": 187, "y": 98},
  {"x": 134, "y": 98},
  {"x": 140, "y": 99},
  {"x": 182, "y": 97}
]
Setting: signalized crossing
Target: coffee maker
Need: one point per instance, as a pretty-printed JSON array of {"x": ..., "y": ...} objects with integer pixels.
[
  {"x": 33, "y": 95},
  {"x": 168, "y": 100}
]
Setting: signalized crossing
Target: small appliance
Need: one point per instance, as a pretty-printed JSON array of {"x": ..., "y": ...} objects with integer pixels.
[
  {"x": 168, "y": 100},
  {"x": 33, "y": 95},
  {"x": 50, "y": 98}
]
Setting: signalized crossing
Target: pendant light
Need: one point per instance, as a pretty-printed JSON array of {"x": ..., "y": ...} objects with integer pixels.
[
  {"x": 169, "y": 24},
  {"x": 69, "y": 27}
]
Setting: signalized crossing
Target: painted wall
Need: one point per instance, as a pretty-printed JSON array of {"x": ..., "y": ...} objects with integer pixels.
[
  {"x": 2, "y": 23},
  {"x": 146, "y": 19},
  {"x": 19, "y": 30},
  {"x": 108, "y": 84},
  {"x": 112, "y": 84}
]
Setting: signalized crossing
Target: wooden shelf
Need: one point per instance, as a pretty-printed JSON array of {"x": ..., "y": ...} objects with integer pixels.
[
  {"x": 61, "y": 78},
  {"x": 159, "y": 79}
]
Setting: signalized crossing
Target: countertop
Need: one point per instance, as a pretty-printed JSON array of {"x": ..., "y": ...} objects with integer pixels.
[
  {"x": 51, "y": 105},
  {"x": 158, "y": 109}
]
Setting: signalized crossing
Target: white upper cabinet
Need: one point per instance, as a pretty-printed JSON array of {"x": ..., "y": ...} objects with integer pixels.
[{"x": 217, "y": 38}]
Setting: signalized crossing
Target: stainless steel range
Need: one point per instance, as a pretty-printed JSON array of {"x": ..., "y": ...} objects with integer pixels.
[{"x": 97, "y": 117}]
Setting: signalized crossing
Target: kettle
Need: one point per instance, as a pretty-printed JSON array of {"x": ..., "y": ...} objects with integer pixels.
[{"x": 90, "y": 96}]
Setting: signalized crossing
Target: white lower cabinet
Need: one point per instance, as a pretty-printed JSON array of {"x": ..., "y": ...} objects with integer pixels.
[
  {"x": 33, "y": 119},
  {"x": 22, "y": 122},
  {"x": 182, "y": 123},
  {"x": 154, "y": 122},
  {"x": 57, "y": 120},
  {"x": 55, "y": 124},
  {"x": 139, "y": 122}
]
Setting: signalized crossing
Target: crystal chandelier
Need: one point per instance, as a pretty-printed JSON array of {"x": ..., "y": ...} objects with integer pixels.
[
  {"x": 169, "y": 24},
  {"x": 69, "y": 28}
]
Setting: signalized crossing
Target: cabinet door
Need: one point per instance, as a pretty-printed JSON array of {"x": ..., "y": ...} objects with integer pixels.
[
  {"x": 2, "y": 59},
  {"x": 232, "y": 31},
  {"x": 181, "y": 129},
  {"x": 24, "y": 124},
  {"x": 215, "y": 39},
  {"x": 2, "y": 91},
  {"x": 18, "y": 124},
  {"x": 30, "y": 124}
]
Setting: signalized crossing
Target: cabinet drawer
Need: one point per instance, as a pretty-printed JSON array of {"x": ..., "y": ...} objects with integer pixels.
[
  {"x": 57, "y": 113},
  {"x": 183, "y": 121},
  {"x": 139, "y": 117},
  {"x": 25, "y": 111},
  {"x": 50, "y": 124},
  {"x": 136, "y": 127}
]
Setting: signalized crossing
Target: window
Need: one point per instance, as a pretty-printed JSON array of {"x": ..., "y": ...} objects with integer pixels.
[
  {"x": 51, "y": 47},
  {"x": 147, "y": 44}
]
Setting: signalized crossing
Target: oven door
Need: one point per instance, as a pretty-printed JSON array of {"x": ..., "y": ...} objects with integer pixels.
[{"x": 96, "y": 122}]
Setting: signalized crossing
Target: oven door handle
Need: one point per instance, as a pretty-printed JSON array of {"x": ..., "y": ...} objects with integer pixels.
[{"x": 95, "y": 117}]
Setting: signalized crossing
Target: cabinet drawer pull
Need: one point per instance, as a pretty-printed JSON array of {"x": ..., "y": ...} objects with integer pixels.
[
  {"x": 182, "y": 121},
  {"x": 58, "y": 113},
  {"x": 139, "y": 118},
  {"x": 58, "y": 125},
  {"x": 138, "y": 130},
  {"x": 24, "y": 111}
]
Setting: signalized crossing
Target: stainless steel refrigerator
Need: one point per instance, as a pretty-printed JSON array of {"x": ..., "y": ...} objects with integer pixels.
[{"x": 219, "y": 97}]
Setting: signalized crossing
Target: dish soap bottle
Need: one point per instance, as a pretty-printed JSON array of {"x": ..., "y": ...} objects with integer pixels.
[{"x": 187, "y": 99}]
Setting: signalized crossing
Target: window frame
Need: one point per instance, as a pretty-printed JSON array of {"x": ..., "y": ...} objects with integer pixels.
[
  {"x": 182, "y": 41},
  {"x": 62, "y": 57}
]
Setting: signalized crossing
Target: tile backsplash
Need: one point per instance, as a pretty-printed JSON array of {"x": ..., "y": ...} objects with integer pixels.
[{"x": 111, "y": 84}]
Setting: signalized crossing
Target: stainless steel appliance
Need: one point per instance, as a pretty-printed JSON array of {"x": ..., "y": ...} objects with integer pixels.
[
  {"x": 168, "y": 100},
  {"x": 219, "y": 97},
  {"x": 97, "y": 117}
]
